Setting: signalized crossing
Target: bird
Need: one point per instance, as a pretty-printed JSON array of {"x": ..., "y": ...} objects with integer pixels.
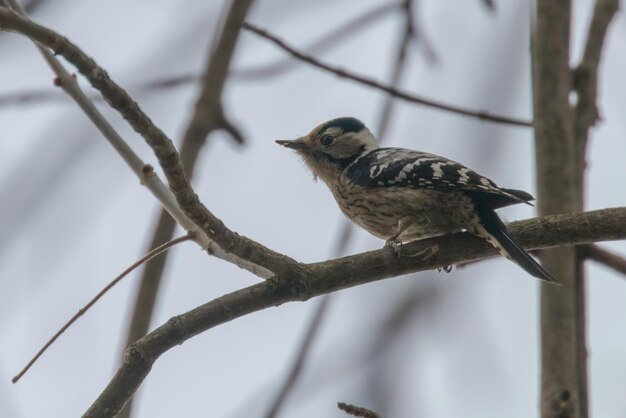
[{"x": 402, "y": 195}]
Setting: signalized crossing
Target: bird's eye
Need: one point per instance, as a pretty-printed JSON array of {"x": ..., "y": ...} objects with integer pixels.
[{"x": 327, "y": 140}]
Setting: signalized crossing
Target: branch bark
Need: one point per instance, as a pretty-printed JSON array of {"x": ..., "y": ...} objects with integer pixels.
[
  {"x": 320, "y": 278},
  {"x": 563, "y": 381}
]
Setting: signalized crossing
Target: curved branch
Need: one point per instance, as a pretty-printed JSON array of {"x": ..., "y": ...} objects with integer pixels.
[
  {"x": 209, "y": 113},
  {"x": 223, "y": 242},
  {"x": 379, "y": 86},
  {"x": 331, "y": 39},
  {"x": 321, "y": 278}
]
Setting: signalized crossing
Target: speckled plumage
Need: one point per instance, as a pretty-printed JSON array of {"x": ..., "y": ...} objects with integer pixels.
[{"x": 401, "y": 195}]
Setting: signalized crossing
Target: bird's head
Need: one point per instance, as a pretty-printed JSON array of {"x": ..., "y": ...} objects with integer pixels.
[{"x": 332, "y": 146}]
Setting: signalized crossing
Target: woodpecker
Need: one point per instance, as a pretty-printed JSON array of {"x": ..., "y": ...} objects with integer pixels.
[{"x": 402, "y": 195}]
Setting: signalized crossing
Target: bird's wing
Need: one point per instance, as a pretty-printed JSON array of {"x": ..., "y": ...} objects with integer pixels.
[{"x": 389, "y": 167}]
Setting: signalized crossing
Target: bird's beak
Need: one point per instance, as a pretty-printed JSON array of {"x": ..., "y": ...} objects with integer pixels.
[{"x": 296, "y": 144}]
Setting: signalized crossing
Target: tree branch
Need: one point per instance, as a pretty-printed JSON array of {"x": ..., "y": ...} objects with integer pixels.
[
  {"x": 223, "y": 242},
  {"x": 376, "y": 85},
  {"x": 253, "y": 73},
  {"x": 605, "y": 257},
  {"x": 585, "y": 114},
  {"x": 151, "y": 254},
  {"x": 560, "y": 189},
  {"x": 585, "y": 79},
  {"x": 207, "y": 118},
  {"x": 321, "y": 278},
  {"x": 209, "y": 114},
  {"x": 143, "y": 171},
  {"x": 330, "y": 39},
  {"x": 357, "y": 411}
]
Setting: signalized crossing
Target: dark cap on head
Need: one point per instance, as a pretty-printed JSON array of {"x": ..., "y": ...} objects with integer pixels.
[{"x": 347, "y": 124}]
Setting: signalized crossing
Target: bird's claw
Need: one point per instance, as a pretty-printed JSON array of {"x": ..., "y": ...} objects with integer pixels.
[
  {"x": 396, "y": 245},
  {"x": 447, "y": 269}
]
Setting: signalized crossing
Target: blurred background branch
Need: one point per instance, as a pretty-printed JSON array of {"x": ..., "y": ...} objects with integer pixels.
[
  {"x": 341, "y": 73},
  {"x": 261, "y": 72},
  {"x": 561, "y": 136},
  {"x": 602, "y": 256},
  {"x": 357, "y": 411}
]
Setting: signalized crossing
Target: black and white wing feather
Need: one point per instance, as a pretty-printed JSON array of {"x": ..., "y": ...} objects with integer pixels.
[{"x": 389, "y": 167}]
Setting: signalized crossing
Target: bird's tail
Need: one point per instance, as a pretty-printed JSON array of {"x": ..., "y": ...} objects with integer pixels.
[{"x": 492, "y": 229}]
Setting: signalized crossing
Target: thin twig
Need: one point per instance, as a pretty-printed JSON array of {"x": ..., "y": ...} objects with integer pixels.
[
  {"x": 108, "y": 287},
  {"x": 330, "y": 40},
  {"x": 605, "y": 257},
  {"x": 321, "y": 278},
  {"x": 356, "y": 411},
  {"x": 379, "y": 86},
  {"x": 585, "y": 78},
  {"x": 420, "y": 39}
]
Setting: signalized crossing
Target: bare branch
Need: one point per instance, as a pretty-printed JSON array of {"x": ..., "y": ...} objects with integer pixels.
[
  {"x": 207, "y": 118},
  {"x": 605, "y": 257},
  {"x": 563, "y": 332},
  {"x": 255, "y": 73},
  {"x": 209, "y": 114},
  {"x": 149, "y": 282},
  {"x": 223, "y": 243},
  {"x": 585, "y": 80},
  {"x": 387, "y": 89},
  {"x": 416, "y": 34},
  {"x": 321, "y": 278},
  {"x": 331, "y": 39},
  {"x": 158, "y": 250},
  {"x": 357, "y": 411},
  {"x": 143, "y": 171}
]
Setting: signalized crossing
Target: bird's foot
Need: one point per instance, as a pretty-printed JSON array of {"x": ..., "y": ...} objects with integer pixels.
[{"x": 395, "y": 244}]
